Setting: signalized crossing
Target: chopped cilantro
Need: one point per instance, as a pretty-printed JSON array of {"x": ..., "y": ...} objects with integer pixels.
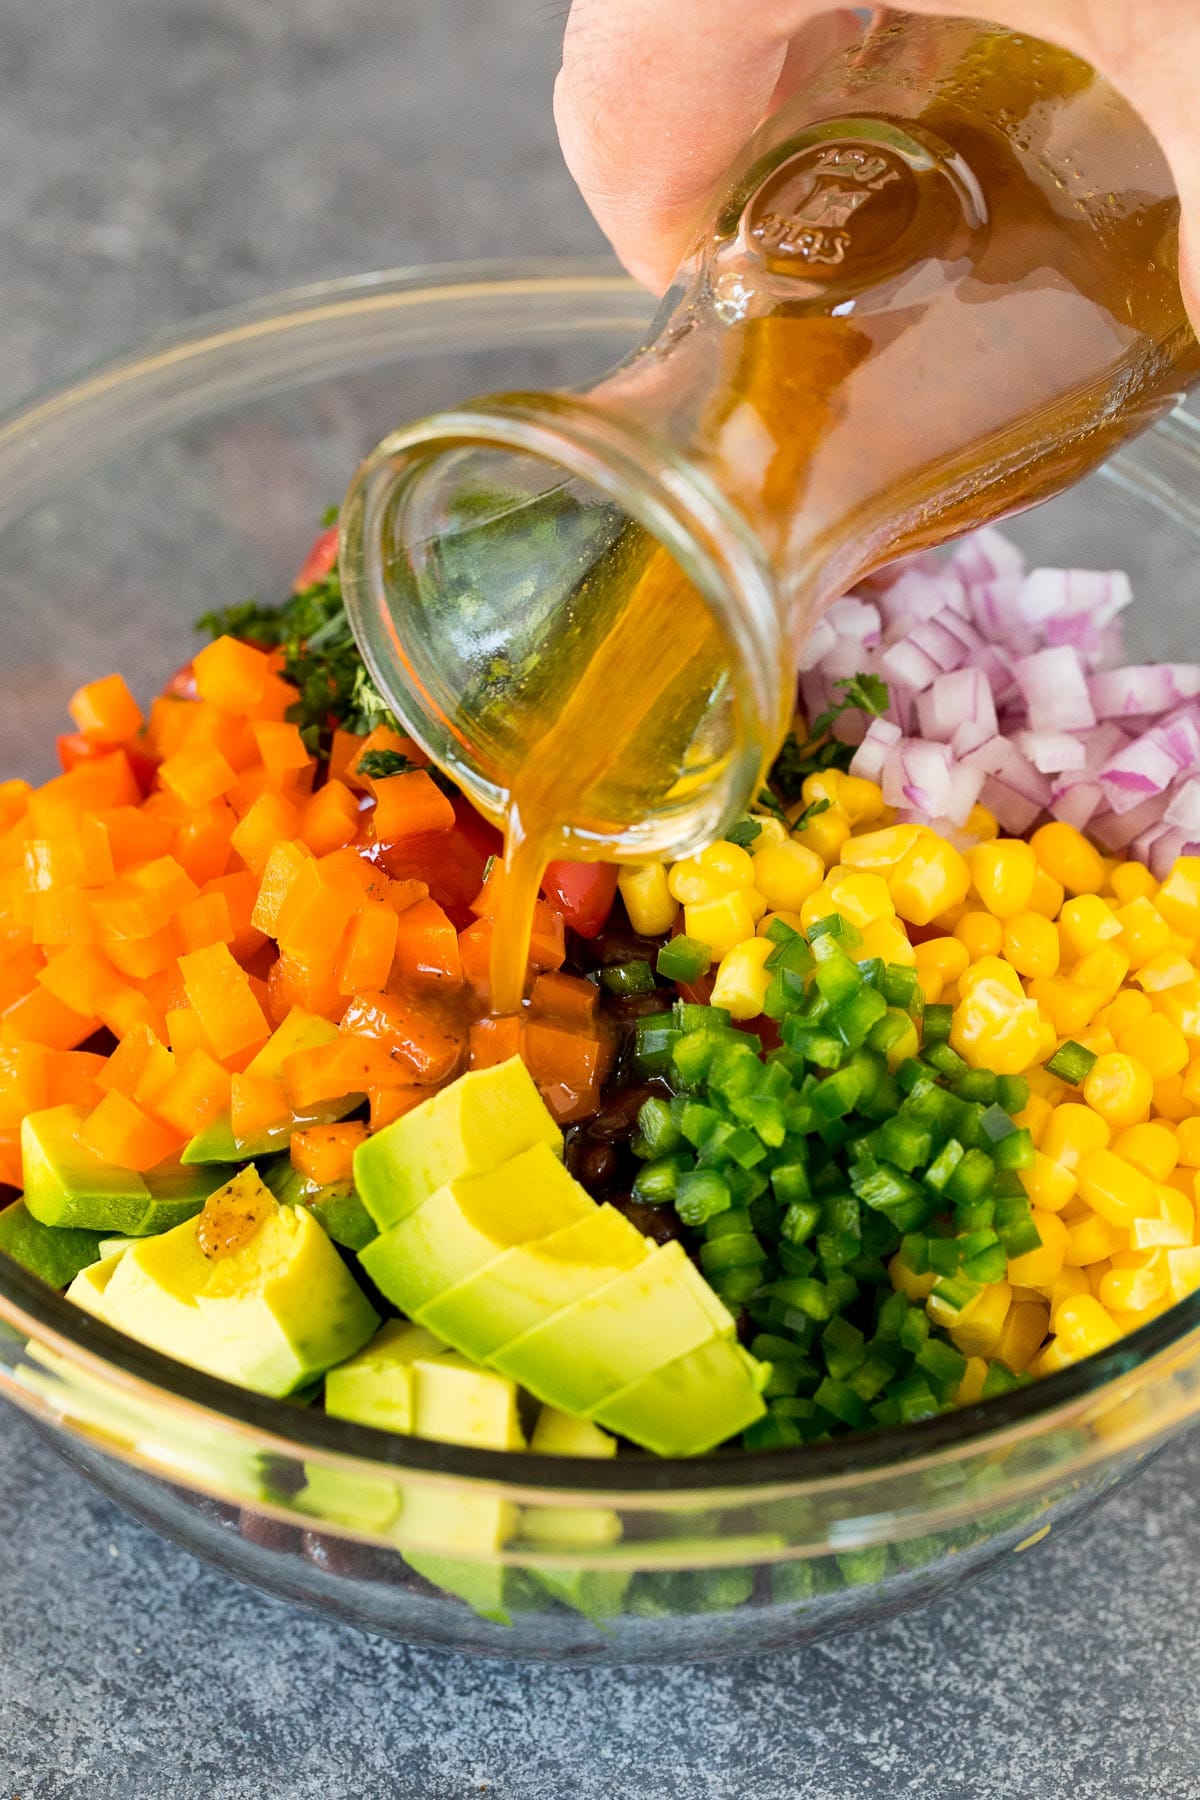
[
  {"x": 377, "y": 765},
  {"x": 744, "y": 831},
  {"x": 819, "y": 750}
]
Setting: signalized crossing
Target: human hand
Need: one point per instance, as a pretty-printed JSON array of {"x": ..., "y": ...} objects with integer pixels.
[{"x": 656, "y": 97}]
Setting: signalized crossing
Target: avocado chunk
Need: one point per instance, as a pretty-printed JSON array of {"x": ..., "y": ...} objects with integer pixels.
[
  {"x": 55, "y": 1254},
  {"x": 466, "y": 1224},
  {"x": 338, "y": 1209},
  {"x": 647, "y": 1316},
  {"x": 299, "y": 1031},
  {"x": 530, "y": 1282},
  {"x": 486, "y": 1587},
  {"x": 365, "y": 1502},
  {"x": 67, "y": 1184},
  {"x": 273, "y": 1312},
  {"x": 485, "y": 1118},
  {"x": 375, "y": 1386},
  {"x": 692, "y": 1404}
]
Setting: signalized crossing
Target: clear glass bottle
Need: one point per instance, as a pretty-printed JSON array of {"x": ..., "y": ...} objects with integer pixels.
[{"x": 938, "y": 287}]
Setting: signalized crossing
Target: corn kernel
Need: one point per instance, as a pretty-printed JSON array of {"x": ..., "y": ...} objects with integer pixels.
[
  {"x": 1050, "y": 1185},
  {"x": 742, "y": 979},
  {"x": 861, "y": 897},
  {"x": 792, "y": 920},
  {"x": 719, "y": 923},
  {"x": 976, "y": 1331},
  {"x": 930, "y": 983},
  {"x": 786, "y": 874},
  {"x": 993, "y": 1030},
  {"x": 1144, "y": 932},
  {"x": 1132, "y": 881},
  {"x": 1048, "y": 1086},
  {"x": 1095, "y": 1273},
  {"x": 1002, "y": 874},
  {"x": 1178, "y": 899},
  {"x": 1072, "y": 1133},
  {"x": 1034, "y": 1116},
  {"x": 1099, "y": 1040},
  {"x": 1160, "y": 1046},
  {"x": 1187, "y": 1136},
  {"x": 1170, "y": 970},
  {"x": 1128, "y": 1008},
  {"x": 881, "y": 849},
  {"x": 1087, "y": 921},
  {"x": 929, "y": 878},
  {"x": 825, "y": 834},
  {"x": 1091, "y": 1240},
  {"x": 1103, "y": 968},
  {"x": 915, "y": 1287},
  {"x": 980, "y": 934},
  {"x": 1169, "y": 1099},
  {"x": 1119, "y": 1087},
  {"x": 1054, "y": 1357},
  {"x": 946, "y": 922},
  {"x": 992, "y": 969},
  {"x": 1031, "y": 944},
  {"x": 888, "y": 940},
  {"x": 861, "y": 801},
  {"x": 906, "y": 1045},
  {"x": 756, "y": 903},
  {"x": 820, "y": 905},
  {"x": 732, "y": 866},
  {"x": 981, "y": 824},
  {"x": 1136, "y": 1286},
  {"x": 1070, "y": 1284},
  {"x": 1066, "y": 854},
  {"x": 1043, "y": 1266},
  {"x": 970, "y": 1388},
  {"x": 1183, "y": 1272},
  {"x": 1181, "y": 1004},
  {"x": 770, "y": 830},
  {"x": 944, "y": 956},
  {"x": 1116, "y": 1190},
  {"x": 651, "y": 906},
  {"x": 1173, "y": 1229},
  {"x": 690, "y": 882},
  {"x": 1069, "y": 1007},
  {"x": 1152, "y": 1148},
  {"x": 1047, "y": 896},
  {"x": 822, "y": 784},
  {"x": 1084, "y": 1326},
  {"x": 1024, "y": 1333}
]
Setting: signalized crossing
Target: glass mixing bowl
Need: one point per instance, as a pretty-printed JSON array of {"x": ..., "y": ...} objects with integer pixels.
[{"x": 193, "y": 473}]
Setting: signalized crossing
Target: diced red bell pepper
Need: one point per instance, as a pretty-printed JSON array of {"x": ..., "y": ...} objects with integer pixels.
[
  {"x": 583, "y": 892},
  {"x": 319, "y": 562},
  {"x": 447, "y": 862}
]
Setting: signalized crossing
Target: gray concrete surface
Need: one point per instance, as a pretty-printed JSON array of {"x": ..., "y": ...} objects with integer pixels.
[{"x": 158, "y": 158}]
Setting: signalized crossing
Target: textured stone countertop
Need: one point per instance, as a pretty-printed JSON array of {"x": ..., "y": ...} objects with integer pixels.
[{"x": 160, "y": 158}]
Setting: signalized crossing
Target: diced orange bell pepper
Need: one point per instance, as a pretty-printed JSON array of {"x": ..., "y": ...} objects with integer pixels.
[
  {"x": 135, "y": 836},
  {"x": 281, "y": 748},
  {"x": 344, "y": 752},
  {"x": 202, "y": 845},
  {"x": 349, "y": 1065},
  {"x": 391, "y": 1103},
  {"x": 40, "y": 1017},
  {"x": 221, "y": 994},
  {"x": 496, "y": 1040},
  {"x": 80, "y": 976},
  {"x": 324, "y": 1154},
  {"x": 475, "y": 955},
  {"x": 365, "y": 958},
  {"x": 282, "y": 866},
  {"x": 25, "y": 1071},
  {"x": 167, "y": 878},
  {"x": 93, "y": 787},
  {"x": 125, "y": 1136},
  {"x": 291, "y": 983},
  {"x": 14, "y": 802},
  {"x": 203, "y": 921},
  {"x": 157, "y": 1076},
  {"x": 408, "y": 806},
  {"x": 271, "y": 820},
  {"x": 80, "y": 857},
  {"x": 249, "y": 789},
  {"x": 61, "y": 915},
  {"x": 185, "y": 1032},
  {"x": 198, "y": 1095},
  {"x": 140, "y": 958},
  {"x": 124, "y": 909},
  {"x": 170, "y": 722},
  {"x": 125, "y": 1067},
  {"x": 20, "y": 964},
  {"x": 330, "y": 818},
  {"x": 568, "y": 1066},
  {"x": 257, "y": 1103},
  {"x": 239, "y": 890},
  {"x": 75, "y": 1078},
  {"x": 312, "y": 920},
  {"x": 106, "y": 710},
  {"x": 548, "y": 944},
  {"x": 198, "y": 773},
  {"x": 231, "y": 674},
  {"x": 568, "y": 998},
  {"x": 427, "y": 1037},
  {"x": 427, "y": 945}
]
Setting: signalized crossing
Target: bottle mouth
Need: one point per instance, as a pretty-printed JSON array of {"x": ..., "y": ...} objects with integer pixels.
[{"x": 470, "y": 542}]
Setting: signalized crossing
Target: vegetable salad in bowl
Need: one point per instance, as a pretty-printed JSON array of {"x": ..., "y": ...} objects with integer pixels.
[{"x": 885, "y": 1103}]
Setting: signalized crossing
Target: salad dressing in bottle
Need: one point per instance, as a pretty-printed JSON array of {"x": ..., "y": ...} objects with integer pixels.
[{"x": 938, "y": 287}]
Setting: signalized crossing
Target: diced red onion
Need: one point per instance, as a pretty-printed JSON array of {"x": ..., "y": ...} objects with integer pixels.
[
  {"x": 917, "y": 774},
  {"x": 1143, "y": 688},
  {"x": 869, "y": 759},
  {"x": 1052, "y": 752},
  {"x": 1055, "y": 688},
  {"x": 1183, "y": 806},
  {"x": 984, "y": 556}
]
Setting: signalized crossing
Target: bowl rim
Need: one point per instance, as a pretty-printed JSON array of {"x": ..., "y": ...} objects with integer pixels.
[{"x": 29, "y": 1305}]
